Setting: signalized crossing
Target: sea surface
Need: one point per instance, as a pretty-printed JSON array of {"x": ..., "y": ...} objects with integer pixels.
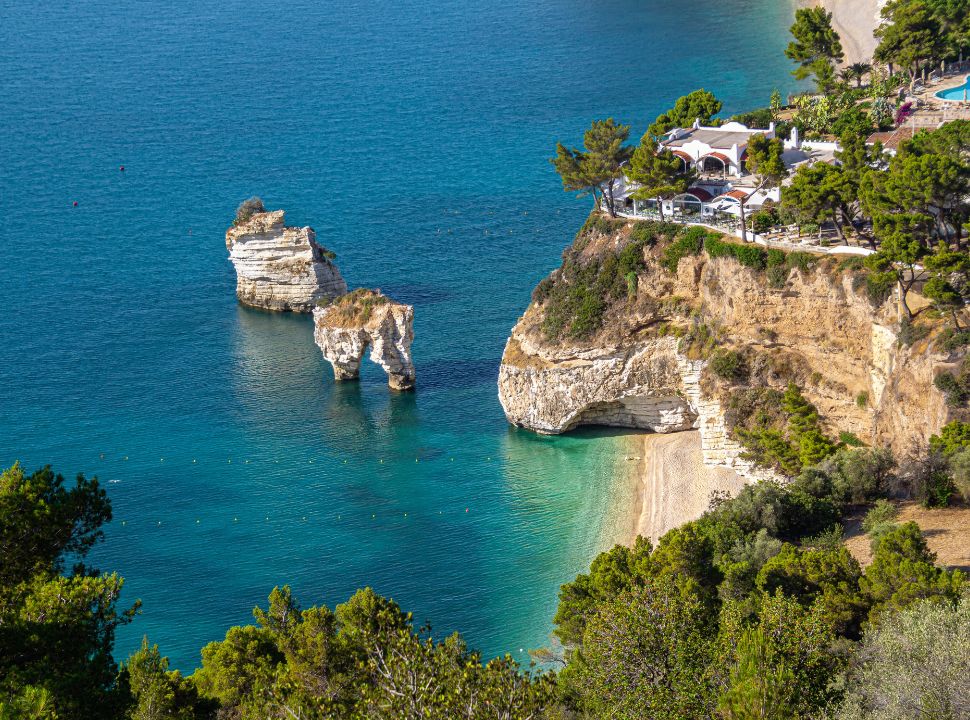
[{"x": 414, "y": 138}]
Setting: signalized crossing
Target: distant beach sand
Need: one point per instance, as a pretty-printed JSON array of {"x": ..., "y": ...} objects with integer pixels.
[{"x": 674, "y": 485}]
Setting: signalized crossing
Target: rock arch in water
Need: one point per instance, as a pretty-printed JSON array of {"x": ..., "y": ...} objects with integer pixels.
[{"x": 346, "y": 327}]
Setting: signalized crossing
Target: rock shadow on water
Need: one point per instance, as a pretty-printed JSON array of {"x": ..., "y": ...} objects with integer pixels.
[{"x": 446, "y": 374}]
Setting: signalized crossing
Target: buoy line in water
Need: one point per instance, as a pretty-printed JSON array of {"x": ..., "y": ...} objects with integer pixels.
[
  {"x": 339, "y": 517},
  {"x": 311, "y": 461}
]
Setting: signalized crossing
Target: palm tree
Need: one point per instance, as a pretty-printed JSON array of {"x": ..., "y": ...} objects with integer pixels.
[{"x": 859, "y": 71}]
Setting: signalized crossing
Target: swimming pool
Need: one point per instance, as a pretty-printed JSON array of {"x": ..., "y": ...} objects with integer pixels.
[{"x": 956, "y": 93}]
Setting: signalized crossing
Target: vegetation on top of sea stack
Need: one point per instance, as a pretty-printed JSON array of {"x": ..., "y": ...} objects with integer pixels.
[
  {"x": 353, "y": 308},
  {"x": 246, "y": 210}
]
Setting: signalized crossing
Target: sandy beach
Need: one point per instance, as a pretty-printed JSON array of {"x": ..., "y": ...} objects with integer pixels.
[
  {"x": 674, "y": 484},
  {"x": 854, "y": 21}
]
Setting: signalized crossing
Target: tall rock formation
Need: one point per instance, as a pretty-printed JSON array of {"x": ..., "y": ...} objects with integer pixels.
[
  {"x": 636, "y": 350},
  {"x": 279, "y": 267},
  {"x": 344, "y": 328}
]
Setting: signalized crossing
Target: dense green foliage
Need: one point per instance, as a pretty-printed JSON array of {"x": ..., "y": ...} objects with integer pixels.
[
  {"x": 698, "y": 105},
  {"x": 689, "y": 242},
  {"x": 57, "y": 624},
  {"x": 815, "y": 46},
  {"x": 913, "y": 665},
  {"x": 751, "y": 256},
  {"x": 919, "y": 32},
  {"x": 577, "y": 296},
  {"x": 362, "y": 660},
  {"x": 757, "y": 597},
  {"x": 780, "y": 430}
]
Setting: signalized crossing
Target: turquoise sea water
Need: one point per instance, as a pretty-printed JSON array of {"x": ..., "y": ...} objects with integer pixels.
[{"x": 414, "y": 138}]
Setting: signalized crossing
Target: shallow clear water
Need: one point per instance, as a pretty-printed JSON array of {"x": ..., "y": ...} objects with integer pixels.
[
  {"x": 956, "y": 93},
  {"x": 414, "y": 138}
]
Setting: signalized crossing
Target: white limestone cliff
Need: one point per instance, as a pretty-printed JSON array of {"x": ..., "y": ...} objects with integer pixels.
[
  {"x": 818, "y": 330},
  {"x": 346, "y": 327},
  {"x": 279, "y": 267}
]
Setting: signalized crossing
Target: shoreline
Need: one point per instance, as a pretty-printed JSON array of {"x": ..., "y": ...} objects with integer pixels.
[
  {"x": 854, "y": 21},
  {"x": 672, "y": 484}
]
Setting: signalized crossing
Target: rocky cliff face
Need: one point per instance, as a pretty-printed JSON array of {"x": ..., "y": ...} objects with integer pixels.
[
  {"x": 279, "y": 267},
  {"x": 345, "y": 328},
  {"x": 647, "y": 363}
]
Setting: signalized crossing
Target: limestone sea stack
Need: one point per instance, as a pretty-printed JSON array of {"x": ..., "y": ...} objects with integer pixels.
[
  {"x": 347, "y": 325},
  {"x": 279, "y": 267}
]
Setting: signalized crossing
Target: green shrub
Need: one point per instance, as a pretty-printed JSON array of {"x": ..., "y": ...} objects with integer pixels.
[
  {"x": 801, "y": 260},
  {"x": 882, "y": 512},
  {"x": 852, "y": 263},
  {"x": 850, "y": 439},
  {"x": 748, "y": 255},
  {"x": 878, "y": 531},
  {"x": 690, "y": 242},
  {"x": 951, "y": 339},
  {"x": 960, "y": 472},
  {"x": 728, "y": 364},
  {"x": 910, "y": 332},
  {"x": 953, "y": 437},
  {"x": 879, "y": 286},
  {"x": 248, "y": 208},
  {"x": 780, "y": 431},
  {"x": 542, "y": 290},
  {"x": 954, "y": 391},
  {"x": 775, "y": 257},
  {"x": 862, "y": 399},
  {"x": 599, "y": 223},
  {"x": 631, "y": 284},
  {"x": 764, "y": 220},
  {"x": 777, "y": 276},
  {"x": 760, "y": 118}
]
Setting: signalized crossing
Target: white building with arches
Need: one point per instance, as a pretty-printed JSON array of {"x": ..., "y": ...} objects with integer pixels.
[{"x": 714, "y": 151}]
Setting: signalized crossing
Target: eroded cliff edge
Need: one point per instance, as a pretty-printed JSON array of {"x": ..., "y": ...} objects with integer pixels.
[
  {"x": 625, "y": 331},
  {"x": 345, "y": 327},
  {"x": 281, "y": 268}
]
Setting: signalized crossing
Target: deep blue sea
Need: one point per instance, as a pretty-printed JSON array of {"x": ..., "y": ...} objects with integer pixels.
[{"x": 413, "y": 136}]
